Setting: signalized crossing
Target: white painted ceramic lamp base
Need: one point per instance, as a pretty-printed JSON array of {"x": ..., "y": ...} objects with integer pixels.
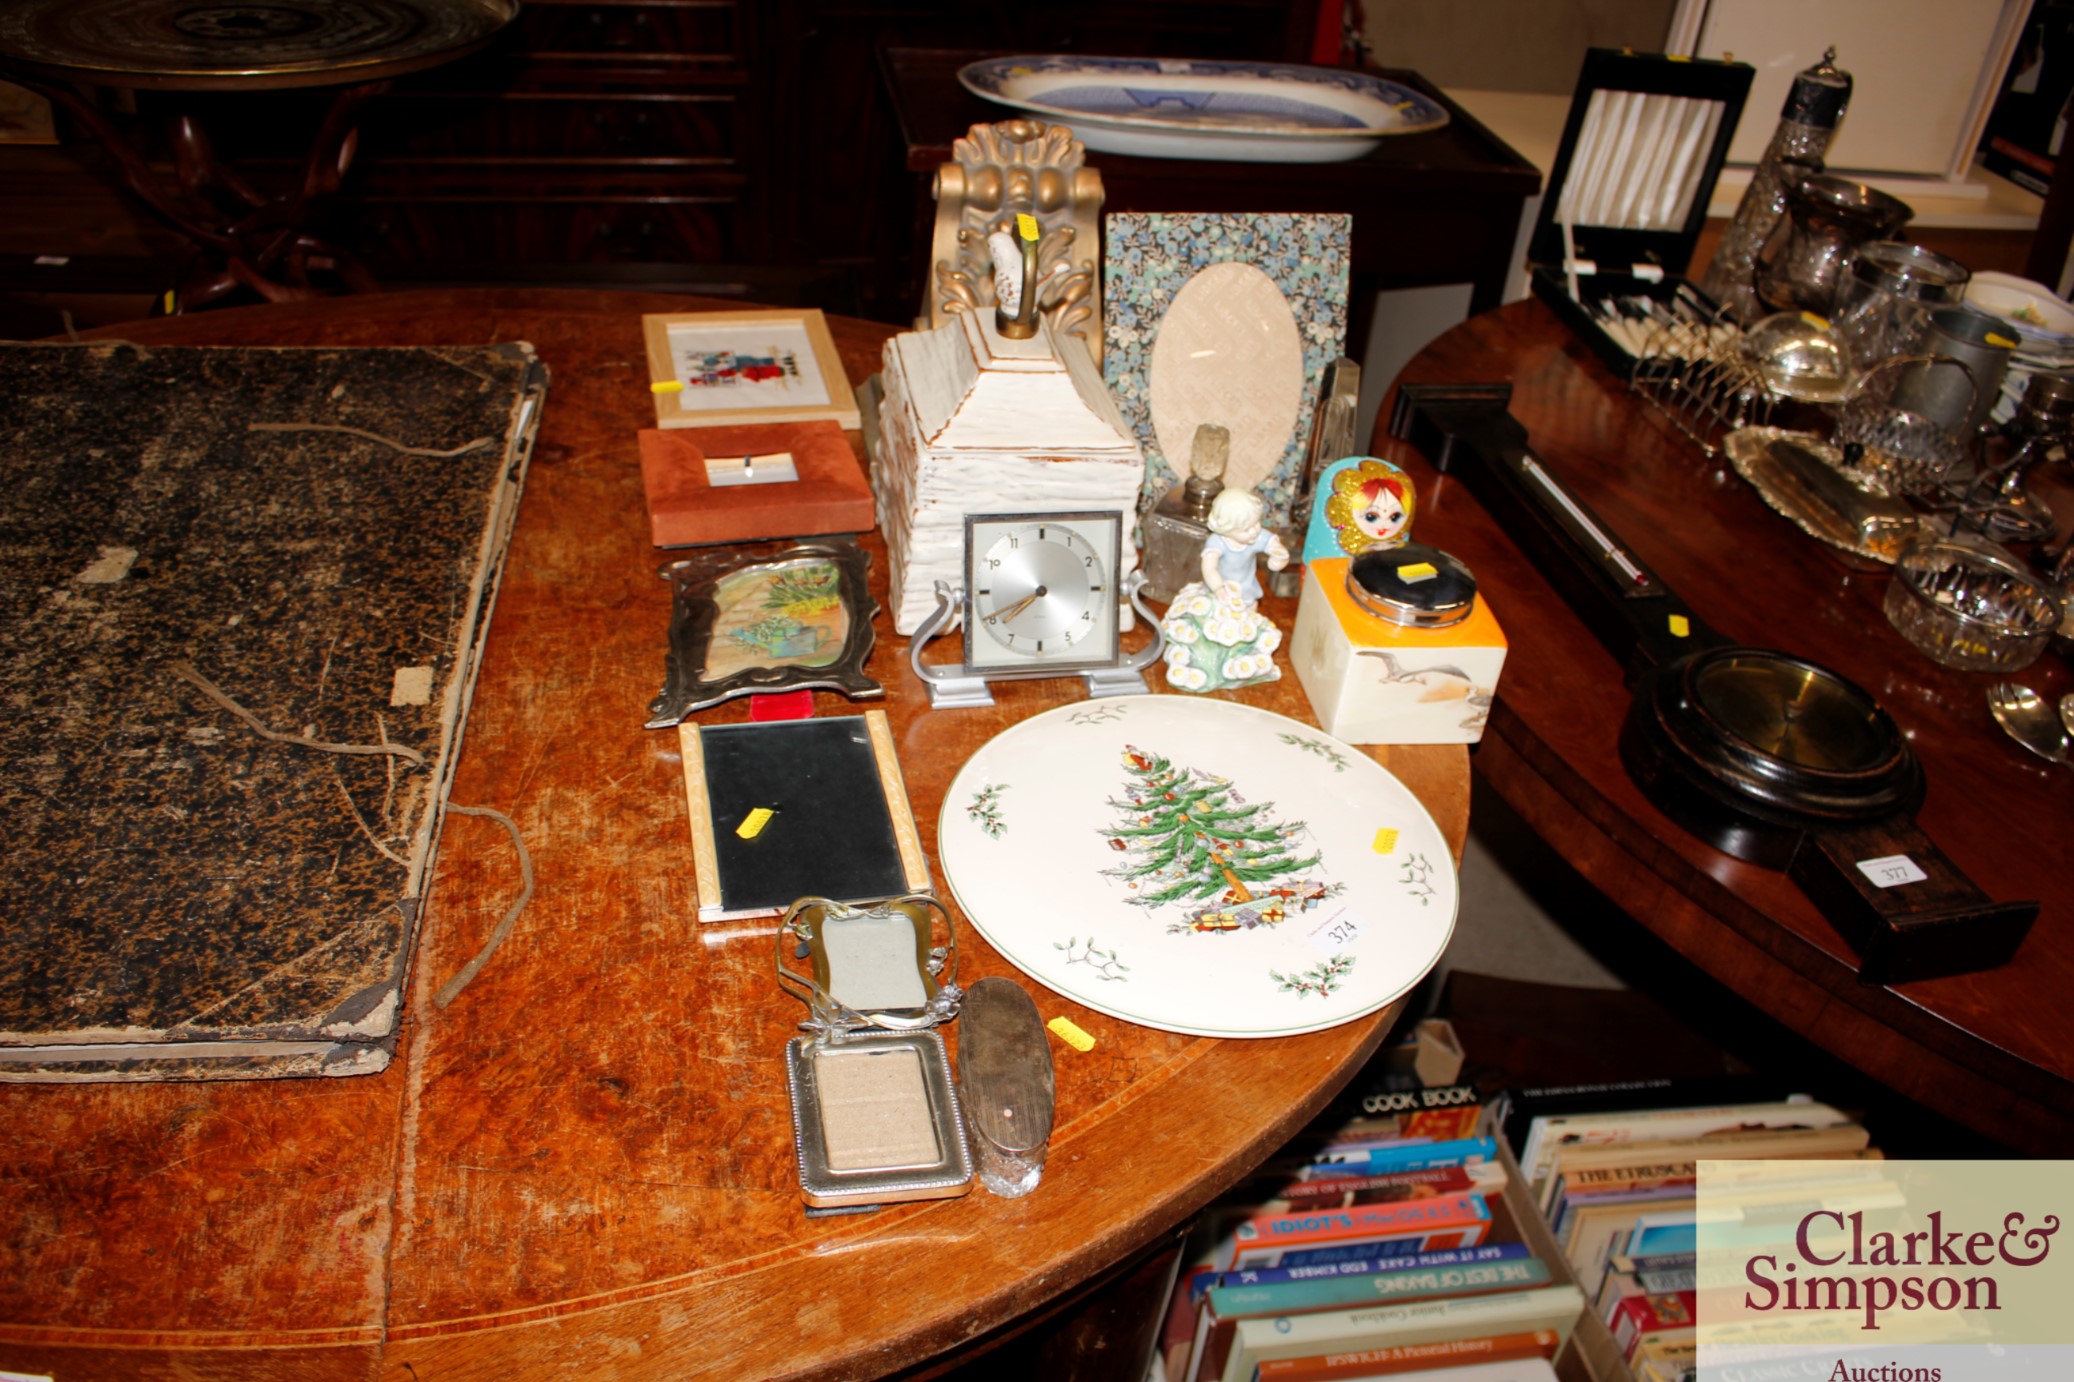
[{"x": 976, "y": 423}]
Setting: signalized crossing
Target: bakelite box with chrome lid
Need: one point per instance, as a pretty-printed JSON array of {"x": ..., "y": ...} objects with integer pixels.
[
  {"x": 1374, "y": 680},
  {"x": 1392, "y": 643}
]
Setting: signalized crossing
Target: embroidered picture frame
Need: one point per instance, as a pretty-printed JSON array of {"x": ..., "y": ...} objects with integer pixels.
[{"x": 710, "y": 369}]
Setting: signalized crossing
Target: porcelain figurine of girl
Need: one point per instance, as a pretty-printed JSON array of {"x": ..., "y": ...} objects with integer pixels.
[{"x": 1217, "y": 639}]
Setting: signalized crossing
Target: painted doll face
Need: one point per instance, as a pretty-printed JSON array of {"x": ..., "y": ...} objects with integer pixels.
[
  {"x": 1381, "y": 515},
  {"x": 1371, "y": 504}
]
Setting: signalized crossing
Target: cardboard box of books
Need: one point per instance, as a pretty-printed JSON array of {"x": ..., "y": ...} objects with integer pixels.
[
  {"x": 1613, "y": 1172},
  {"x": 1390, "y": 1245}
]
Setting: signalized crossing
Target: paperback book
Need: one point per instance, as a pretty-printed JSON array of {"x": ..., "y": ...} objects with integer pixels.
[
  {"x": 1514, "y": 1111},
  {"x": 1496, "y": 1358},
  {"x": 1363, "y": 1266},
  {"x": 1256, "y": 1341},
  {"x": 1224, "y": 1306},
  {"x": 1548, "y": 1136},
  {"x": 1275, "y": 1240},
  {"x": 1337, "y": 1192},
  {"x": 1399, "y": 1156}
]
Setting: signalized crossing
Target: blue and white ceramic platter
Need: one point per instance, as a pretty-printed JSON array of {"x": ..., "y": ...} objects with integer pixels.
[{"x": 1205, "y": 109}]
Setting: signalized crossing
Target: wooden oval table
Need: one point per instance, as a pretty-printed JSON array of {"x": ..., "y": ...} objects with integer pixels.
[
  {"x": 1992, "y": 1049},
  {"x": 584, "y": 1166}
]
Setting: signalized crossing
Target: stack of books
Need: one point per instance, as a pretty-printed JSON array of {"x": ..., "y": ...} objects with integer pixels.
[
  {"x": 1387, "y": 1247},
  {"x": 1613, "y": 1172}
]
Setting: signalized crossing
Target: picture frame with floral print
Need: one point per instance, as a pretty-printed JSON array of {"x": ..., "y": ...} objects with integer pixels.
[
  {"x": 799, "y": 618},
  {"x": 1224, "y": 318}
]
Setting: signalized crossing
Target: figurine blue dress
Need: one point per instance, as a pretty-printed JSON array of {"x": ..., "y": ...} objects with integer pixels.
[{"x": 1216, "y": 637}]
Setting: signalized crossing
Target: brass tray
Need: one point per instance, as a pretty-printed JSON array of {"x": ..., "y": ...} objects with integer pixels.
[{"x": 183, "y": 45}]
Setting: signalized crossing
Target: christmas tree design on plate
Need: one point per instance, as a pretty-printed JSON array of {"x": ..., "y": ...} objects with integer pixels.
[{"x": 1190, "y": 839}]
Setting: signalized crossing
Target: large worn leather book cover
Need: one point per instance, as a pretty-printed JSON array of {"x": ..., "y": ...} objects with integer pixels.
[{"x": 212, "y": 561}]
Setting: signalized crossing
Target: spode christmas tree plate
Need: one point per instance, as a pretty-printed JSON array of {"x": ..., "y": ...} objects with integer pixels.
[{"x": 1198, "y": 866}]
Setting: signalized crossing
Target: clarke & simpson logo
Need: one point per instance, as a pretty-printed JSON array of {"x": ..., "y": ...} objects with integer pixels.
[
  {"x": 1967, "y": 1284},
  {"x": 1870, "y": 1270}
]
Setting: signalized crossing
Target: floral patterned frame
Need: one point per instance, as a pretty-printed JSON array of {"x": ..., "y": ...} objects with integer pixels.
[{"x": 1150, "y": 255}]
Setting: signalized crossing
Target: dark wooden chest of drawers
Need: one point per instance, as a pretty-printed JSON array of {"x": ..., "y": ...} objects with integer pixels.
[{"x": 678, "y": 141}]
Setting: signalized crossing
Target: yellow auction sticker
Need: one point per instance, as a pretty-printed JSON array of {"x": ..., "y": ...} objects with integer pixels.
[{"x": 1067, "y": 1031}]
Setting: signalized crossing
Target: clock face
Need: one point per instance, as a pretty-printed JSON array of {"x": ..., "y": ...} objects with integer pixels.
[{"x": 1041, "y": 591}]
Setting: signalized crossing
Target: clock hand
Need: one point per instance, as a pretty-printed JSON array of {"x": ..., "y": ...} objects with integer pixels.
[{"x": 1020, "y": 605}]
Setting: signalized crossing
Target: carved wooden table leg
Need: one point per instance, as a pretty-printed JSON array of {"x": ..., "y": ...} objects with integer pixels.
[{"x": 246, "y": 236}]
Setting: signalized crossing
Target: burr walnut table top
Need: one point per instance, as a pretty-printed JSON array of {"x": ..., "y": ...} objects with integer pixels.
[{"x": 583, "y": 1166}]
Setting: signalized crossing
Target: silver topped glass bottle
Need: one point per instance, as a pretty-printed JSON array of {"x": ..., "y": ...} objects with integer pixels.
[
  {"x": 1807, "y": 125},
  {"x": 1178, "y": 525}
]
